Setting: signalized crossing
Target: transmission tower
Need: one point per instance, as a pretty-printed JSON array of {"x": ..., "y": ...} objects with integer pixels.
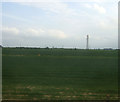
[{"x": 87, "y": 44}]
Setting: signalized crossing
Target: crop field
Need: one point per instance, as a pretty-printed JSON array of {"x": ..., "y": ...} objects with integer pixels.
[{"x": 59, "y": 74}]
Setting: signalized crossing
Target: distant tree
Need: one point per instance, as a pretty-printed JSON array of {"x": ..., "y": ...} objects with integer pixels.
[{"x": 47, "y": 48}]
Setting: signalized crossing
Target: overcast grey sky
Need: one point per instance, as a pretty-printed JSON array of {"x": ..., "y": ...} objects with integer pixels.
[{"x": 60, "y": 24}]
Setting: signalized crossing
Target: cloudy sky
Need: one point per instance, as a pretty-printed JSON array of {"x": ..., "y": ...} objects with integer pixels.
[{"x": 60, "y": 24}]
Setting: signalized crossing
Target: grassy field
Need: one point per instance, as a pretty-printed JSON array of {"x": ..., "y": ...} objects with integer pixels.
[{"x": 59, "y": 74}]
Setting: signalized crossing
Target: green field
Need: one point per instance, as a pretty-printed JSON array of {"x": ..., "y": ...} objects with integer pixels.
[{"x": 59, "y": 74}]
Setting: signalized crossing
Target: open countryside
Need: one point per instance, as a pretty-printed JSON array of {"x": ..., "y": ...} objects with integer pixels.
[{"x": 59, "y": 74}]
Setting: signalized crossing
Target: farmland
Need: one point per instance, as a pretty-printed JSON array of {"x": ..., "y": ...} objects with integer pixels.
[{"x": 59, "y": 74}]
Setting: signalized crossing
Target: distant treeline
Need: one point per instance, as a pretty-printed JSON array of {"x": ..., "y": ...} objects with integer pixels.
[
  {"x": 58, "y": 48},
  {"x": 29, "y": 51}
]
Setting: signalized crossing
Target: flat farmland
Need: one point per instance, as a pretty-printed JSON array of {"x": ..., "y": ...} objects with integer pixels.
[{"x": 59, "y": 74}]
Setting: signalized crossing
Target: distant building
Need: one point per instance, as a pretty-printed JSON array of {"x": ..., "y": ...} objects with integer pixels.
[{"x": 0, "y": 46}]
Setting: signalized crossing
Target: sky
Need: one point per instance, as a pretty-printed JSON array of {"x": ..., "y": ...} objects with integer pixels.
[{"x": 61, "y": 24}]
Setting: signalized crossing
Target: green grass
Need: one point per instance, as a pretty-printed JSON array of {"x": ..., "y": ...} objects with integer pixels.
[{"x": 59, "y": 74}]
